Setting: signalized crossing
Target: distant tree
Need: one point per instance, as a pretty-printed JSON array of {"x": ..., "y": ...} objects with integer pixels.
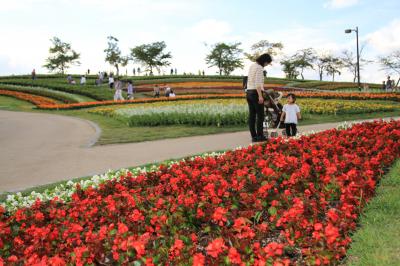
[
  {"x": 321, "y": 62},
  {"x": 61, "y": 56},
  {"x": 349, "y": 60},
  {"x": 151, "y": 55},
  {"x": 290, "y": 67},
  {"x": 304, "y": 59},
  {"x": 113, "y": 54},
  {"x": 226, "y": 57},
  {"x": 391, "y": 63},
  {"x": 264, "y": 46},
  {"x": 333, "y": 66}
]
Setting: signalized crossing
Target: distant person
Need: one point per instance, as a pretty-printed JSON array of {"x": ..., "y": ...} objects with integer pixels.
[
  {"x": 384, "y": 85},
  {"x": 118, "y": 90},
  {"x": 290, "y": 115},
  {"x": 393, "y": 85},
  {"x": 33, "y": 74},
  {"x": 254, "y": 96},
  {"x": 204, "y": 73},
  {"x": 172, "y": 94},
  {"x": 138, "y": 71},
  {"x": 130, "y": 90},
  {"x": 83, "y": 80},
  {"x": 156, "y": 91},
  {"x": 388, "y": 84},
  {"x": 69, "y": 79},
  {"x": 111, "y": 81},
  {"x": 167, "y": 91},
  {"x": 88, "y": 71},
  {"x": 172, "y": 71},
  {"x": 134, "y": 71},
  {"x": 176, "y": 71}
]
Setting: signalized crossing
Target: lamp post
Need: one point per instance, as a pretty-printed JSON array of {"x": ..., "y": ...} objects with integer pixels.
[{"x": 358, "y": 55}]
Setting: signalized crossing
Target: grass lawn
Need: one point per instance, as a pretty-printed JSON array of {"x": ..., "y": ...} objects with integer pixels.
[
  {"x": 115, "y": 131},
  {"x": 377, "y": 242}
]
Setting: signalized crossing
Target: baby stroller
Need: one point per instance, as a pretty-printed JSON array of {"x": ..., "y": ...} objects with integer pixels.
[{"x": 273, "y": 111}]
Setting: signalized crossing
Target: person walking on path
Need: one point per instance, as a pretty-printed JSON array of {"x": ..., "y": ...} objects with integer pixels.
[
  {"x": 254, "y": 96},
  {"x": 130, "y": 90},
  {"x": 290, "y": 115},
  {"x": 33, "y": 74},
  {"x": 83, "y": 80},
  {"x": 156, "y": 91},
  {"x": 388, "y": 84},
  {"x": 118, "y": 90},
  {"x": 111, "y": 81}
]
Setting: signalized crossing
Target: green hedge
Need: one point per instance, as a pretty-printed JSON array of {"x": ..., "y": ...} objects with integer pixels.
[
  {"x": 53, "y": 94},
  {"x": 99, "y": 93}
]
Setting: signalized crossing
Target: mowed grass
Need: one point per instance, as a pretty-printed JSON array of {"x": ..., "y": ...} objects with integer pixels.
[
  {"x": 116, "y": 131},
  {"x": 377, "y": 242}
]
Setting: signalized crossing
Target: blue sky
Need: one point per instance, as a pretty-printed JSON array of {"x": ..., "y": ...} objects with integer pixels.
[{"x": 190, "y": 27}]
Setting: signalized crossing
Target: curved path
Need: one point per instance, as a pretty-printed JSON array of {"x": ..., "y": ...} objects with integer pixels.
[{"x": 38, "y": 149}]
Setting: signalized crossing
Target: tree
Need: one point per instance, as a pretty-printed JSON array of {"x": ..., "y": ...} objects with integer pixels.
[
  {"x": 333, "y": 66},
  {"x": 262, "y": 47},
  {"x": 349, "y": 60},
  {"x": 113, "y": 54},
  {"x": 226, "y": 57},
  {"x": 61, "y": 56},
  {"x": 304, "y": 59},
  {"x": 321, "y": 62},
  {"x": 391, "y": 63},
  {"x": 290, "y": 68},
  {"x": 151, "y": 55}
]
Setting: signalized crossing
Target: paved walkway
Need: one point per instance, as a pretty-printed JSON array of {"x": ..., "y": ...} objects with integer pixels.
[{"x": 38, "y": 149}]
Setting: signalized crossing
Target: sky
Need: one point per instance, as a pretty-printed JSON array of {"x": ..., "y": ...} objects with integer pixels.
[{"x": 191, "y": 27}]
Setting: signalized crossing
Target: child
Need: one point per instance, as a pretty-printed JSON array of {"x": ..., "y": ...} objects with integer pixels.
[
  {"x": 130, "y": 90},
  {"x": 290, "y": 114},
  {"x": 171, "y": 94}
]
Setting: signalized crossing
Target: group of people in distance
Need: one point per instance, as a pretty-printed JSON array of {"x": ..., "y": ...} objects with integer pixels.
[
  {"x": 168, "y": 92},
  {"x": 72, "y": 81},
  {"x": 389, "y": 85}
]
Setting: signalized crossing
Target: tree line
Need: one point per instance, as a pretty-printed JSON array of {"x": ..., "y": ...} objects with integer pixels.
[{"x": 227, "y": 57}]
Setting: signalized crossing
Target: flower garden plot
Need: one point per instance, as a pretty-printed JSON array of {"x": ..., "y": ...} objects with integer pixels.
[
  {"x": 35, "y": 99},
  {"x": 286, "y": 202},
  {"x": 300, "y": 94},
  {"x": 226, "y": 112}
]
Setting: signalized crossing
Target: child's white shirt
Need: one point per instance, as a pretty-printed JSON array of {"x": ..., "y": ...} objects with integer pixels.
[{"x": 291, "y": 111}]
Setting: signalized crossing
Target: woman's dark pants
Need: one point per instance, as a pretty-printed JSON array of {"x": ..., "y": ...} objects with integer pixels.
[{"x": 256, "y": 114}]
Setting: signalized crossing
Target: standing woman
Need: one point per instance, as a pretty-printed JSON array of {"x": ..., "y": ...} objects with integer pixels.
[{"x": 255, "y": 100}]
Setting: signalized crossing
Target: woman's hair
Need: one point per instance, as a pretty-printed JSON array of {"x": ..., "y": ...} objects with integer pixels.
[
  {"x": 264, "y": 58},
  {"x": 293, "y": 96}
]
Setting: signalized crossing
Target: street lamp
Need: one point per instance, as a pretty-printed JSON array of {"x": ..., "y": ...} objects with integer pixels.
[{"x": 358, "y": 55}]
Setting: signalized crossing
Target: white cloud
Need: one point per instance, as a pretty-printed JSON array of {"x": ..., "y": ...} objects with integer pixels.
[
  {"x": 386, "y": 39},
  {"x": 336, "y": 4},
  {"x": 211, "y": 30}
]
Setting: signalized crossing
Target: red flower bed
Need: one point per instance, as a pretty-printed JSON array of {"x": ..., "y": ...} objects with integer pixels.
[{"x": 285, "y": 202}]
